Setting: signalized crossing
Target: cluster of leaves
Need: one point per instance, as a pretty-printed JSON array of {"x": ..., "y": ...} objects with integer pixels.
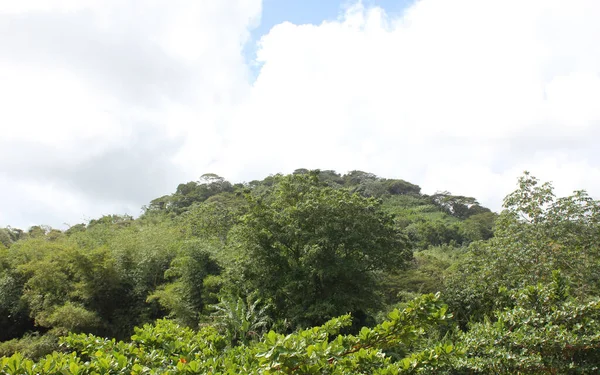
[
  {"x": 395, "y": 346},
  {"x": 97, "y": 280},
  {"x": 546, "y": 331},
  {"x": 433, "y": 220},
  {"x": 313, "y": 251},
  {"x": 428, "y": 222},
  {"x": 191, "y": 193},
  {"x": 535, "y": 235}
]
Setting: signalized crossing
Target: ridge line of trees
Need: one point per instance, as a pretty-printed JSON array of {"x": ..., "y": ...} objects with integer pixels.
[{"x": 235, "y": 261}]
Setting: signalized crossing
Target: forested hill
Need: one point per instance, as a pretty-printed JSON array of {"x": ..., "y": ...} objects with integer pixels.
[
  {"x": 436, "y": 219},
  {"x": 258, "y": 278}
]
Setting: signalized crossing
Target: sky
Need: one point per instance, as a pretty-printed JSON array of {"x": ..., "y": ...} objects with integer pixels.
[{"x": 108, "y": 104}]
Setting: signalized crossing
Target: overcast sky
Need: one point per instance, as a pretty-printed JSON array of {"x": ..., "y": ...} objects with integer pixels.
[{"x": 105, "y": 105}]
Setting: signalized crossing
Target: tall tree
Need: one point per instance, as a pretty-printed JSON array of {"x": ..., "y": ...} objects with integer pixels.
[
  {"x": 535, "y": 235},
  {"x": 314, "y": 251}
]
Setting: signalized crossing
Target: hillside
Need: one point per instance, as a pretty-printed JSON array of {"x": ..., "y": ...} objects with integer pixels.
[{"x": 291, "y": 252}]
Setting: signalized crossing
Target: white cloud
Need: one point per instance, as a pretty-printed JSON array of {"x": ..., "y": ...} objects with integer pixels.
[
  {"x": 99, "y": 97},
  {"x": 19, "y": 7},
  {"x": 456, "y": 95},
  {"x": 106, "y": 105}
]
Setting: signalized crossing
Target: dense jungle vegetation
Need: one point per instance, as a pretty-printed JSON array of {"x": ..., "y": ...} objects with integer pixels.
[{"x": 309, "y": 273}]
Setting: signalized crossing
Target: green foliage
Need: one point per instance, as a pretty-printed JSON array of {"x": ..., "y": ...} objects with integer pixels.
[
  {"x": 390, "y": 348},
  {"x": 535, "y": 235},
  {"x": 14, "y": 316},
  {"x": 48, "y": 276},
  {"x": 186, "y": 295},
  {"x": 73, "y": 318},
  {"x": 458, "y": 206},
  {"x": 312, "y": 250},
  {"x": 190, "y": 193},
  {"x": 167, "y": 348},
  {"x": 544, "y": 332},
  {"x": 93, "y": 280},
  {"x": 424, "y": 233},
  {"x": 239, "y": 319},
  {"x": 5, "y": 238},
  {"x": 227, "y": 262},
  {"x": 369, "y": 185},
  {"x": 363, "y": 183},
  {"x": 425, "y": 274},
  {"x": 427, "y": 222},
  {"x": 479, "y": 227},
  {"x": 214, "y": 218},
  {"x": 118, "y": 221},
  {"x": 32, "y": 346}
]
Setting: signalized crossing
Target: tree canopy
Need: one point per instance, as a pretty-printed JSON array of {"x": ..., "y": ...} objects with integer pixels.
[
  {"x": 314, "y": 272},
  {"x": 314, "y": 251}
]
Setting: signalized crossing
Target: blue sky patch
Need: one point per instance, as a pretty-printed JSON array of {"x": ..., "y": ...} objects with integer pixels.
[{"x": 313, "y": 12}]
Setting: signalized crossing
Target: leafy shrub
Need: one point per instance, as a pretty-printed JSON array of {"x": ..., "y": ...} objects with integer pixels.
[
  {"x": 33, "y": 346},
  {"x": 168, "y": 348}
]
